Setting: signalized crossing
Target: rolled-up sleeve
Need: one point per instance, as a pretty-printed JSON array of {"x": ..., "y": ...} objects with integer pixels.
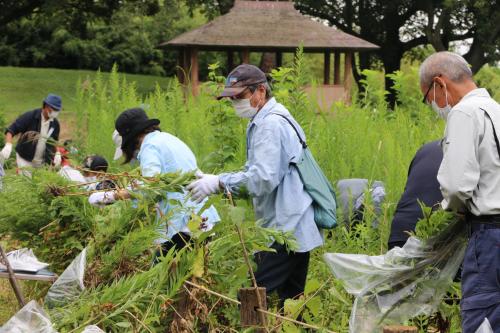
[
  {"x": 265, "y": 168},
  {"x": 459, "y": 172}
]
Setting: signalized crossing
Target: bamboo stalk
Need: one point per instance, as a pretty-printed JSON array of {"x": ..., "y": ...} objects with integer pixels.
[
  {"x": 12, "y": 278},
  {"x": 249, "y": 265}
]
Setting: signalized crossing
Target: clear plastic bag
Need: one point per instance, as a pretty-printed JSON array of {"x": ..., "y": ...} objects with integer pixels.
[
  {"x": 403, "y": 283},
  {"x": 24, "y": 260},
  {"x": 92, "y": 329},
  {"x": 485, "y": 327},
  {"x": 30, "y": 319},
  {"x": 69, "y": 285}
]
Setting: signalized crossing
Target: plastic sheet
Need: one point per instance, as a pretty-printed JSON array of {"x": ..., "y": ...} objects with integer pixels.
[
  {"x": 30, "y": 319},
  {"x": 485, "y": 327},
  {"x": 24, "y": 260},
  {"x": 92, "y": 329},
  {"x": 69, "y": 285},
  {"x": 403, "y": 283},
  {"x": 72, "y": 174}
]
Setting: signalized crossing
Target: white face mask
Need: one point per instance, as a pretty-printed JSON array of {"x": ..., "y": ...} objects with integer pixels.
[
  {"x": 243, "y": 108},
  {"x": 53, "y": 114},
  {"x": 445, "y": 110}
]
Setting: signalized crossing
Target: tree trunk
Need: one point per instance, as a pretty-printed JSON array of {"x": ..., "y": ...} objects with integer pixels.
[
  {"x": 364, "y": 63},
  {"x": 268, "y": 62},
  {"x": 391, "y": 56},
  {"x": 475, "y": 57}
]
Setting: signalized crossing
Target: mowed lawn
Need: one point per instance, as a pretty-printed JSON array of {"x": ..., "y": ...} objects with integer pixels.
[{"x": 23, "y": 89}]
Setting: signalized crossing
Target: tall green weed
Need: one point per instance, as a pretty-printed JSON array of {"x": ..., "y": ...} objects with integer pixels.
[{"x": 362, "y": 140}]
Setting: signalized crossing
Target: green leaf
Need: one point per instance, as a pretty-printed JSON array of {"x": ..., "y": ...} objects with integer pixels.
[
  {"x": 314, "y": 305},
  {"x": 124, "y": 324},
  {"x": 199, "y": 264},
  {"x": 241, "y": 272},
  {"x": 292, "y": 307},
  {"x": 290, "y": 328},
  {"x": 194, "y": 223},
  {"x": 237, "y": 215},
  {"x": 311, "y": 286}
]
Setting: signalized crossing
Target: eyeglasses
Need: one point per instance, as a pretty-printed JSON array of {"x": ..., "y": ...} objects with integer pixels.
[
  {"x": 427, "y": 93},
  {"x": 424, "y": 100},
  {"x": 239, "y": 96}
]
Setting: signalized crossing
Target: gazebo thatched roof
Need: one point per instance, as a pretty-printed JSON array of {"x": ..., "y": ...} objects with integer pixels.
[{"x": 268, "y": 26}]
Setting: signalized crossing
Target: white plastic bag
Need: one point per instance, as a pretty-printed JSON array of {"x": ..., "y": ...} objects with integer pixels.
[
  {"x": 24, "y": 260},
  {"x": 92, "y": 329},
  {"x": 403, "y": 283},
  {"x": 485, "y": 327},
  {"x": 30, "y": 319},
  {"x": 69, "y": 285}
]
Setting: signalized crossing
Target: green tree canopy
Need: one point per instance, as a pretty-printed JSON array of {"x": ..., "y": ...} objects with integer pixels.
[
  {"x": 400, "y": 25},
  {"x": 94, "y": 34}
]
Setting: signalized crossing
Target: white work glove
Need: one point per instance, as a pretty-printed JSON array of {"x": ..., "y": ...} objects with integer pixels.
[
  {"x": 57, "y": 159},
  {"x": 6, "y": 151},
  {"x": 203, "y": 187}
]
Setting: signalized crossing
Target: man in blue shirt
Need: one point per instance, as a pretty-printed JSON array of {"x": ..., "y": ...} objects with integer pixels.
[{"x": 279, "y": 197}]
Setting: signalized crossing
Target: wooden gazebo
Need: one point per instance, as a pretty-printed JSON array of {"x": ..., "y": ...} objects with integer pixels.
[{"x": 270, "y": 26}]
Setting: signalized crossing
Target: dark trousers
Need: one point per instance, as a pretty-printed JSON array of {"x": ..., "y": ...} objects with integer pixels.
[
  {"x": 481, "y": 279},
  {"x": 282, "y": 271},
  {"x": 178, "y": 241},
  {"x": 392, "y": 245}
]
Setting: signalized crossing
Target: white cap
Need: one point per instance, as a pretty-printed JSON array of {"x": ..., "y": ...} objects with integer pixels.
[{"x": 117, "y": 139}]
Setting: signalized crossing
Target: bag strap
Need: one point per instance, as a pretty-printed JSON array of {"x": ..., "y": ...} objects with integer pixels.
[
  {"x": 302, "y": 142},
  {"x": 494, "y": 132}
]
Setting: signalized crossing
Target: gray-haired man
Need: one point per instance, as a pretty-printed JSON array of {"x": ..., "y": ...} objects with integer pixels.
[
  {"x": 469, "y": 177},
  {"x": 279, "y": 197}
]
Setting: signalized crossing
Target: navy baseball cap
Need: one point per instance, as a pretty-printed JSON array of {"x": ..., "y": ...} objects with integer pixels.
[
  {"x": 240, "y": 78},
  {"x": 54, "y": 101}
]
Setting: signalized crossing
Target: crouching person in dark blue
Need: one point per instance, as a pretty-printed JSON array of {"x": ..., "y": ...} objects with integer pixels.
[
  {"x": 469, "y": 177},
  {"x": 421, "y": 187}
]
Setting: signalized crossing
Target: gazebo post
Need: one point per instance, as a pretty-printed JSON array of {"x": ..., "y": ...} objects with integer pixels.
[
  {"x": 347, "y": 75},
  {"x": 326, "y": 72},
  {"x": 245, "y": 56},
  {"x": 180, "y": 65},
  {"x": 183, "y": 65},
  {"x": 193, "y": 52},
  {"x": 336, "y": 68},
  {"x": 279, "y": 59},
  {"x": 186, "y": 65},
  {"x": 230, "y": 60}
]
